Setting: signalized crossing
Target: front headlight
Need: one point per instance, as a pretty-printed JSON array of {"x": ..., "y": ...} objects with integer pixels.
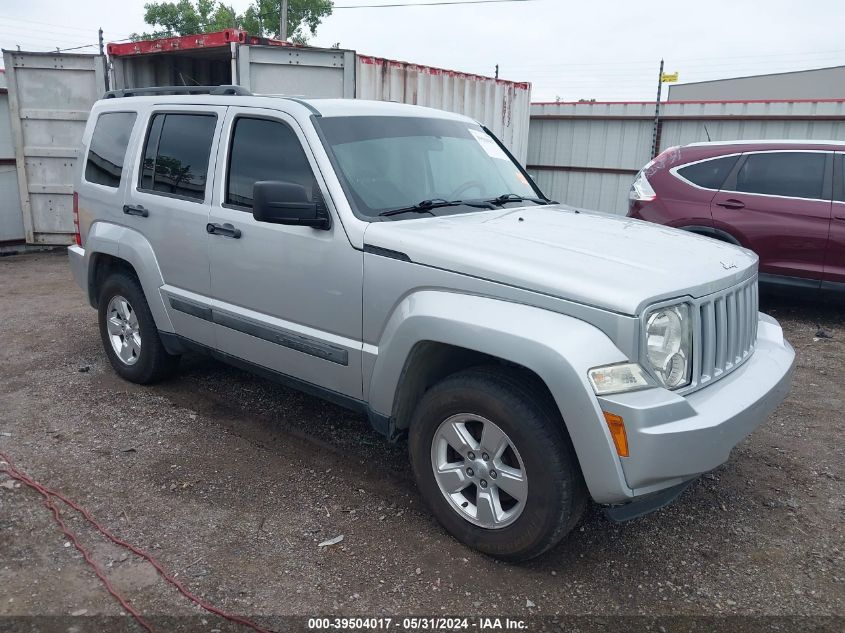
[{"x": 669, "y": 345}]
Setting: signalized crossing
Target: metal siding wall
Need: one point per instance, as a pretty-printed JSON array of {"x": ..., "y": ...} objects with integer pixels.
[
  {"x": 502, "y": 106},
  {"x": 11, "y": 218},
  {"x": 587, "y": 142},
  {"x": 50, "y": 96}
]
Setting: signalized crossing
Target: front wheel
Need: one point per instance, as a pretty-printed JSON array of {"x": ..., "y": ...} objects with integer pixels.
[{"x": 494, "y": 462}]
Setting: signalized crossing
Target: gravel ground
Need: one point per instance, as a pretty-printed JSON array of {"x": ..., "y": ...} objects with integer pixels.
[{"x": 232, "y": 482}]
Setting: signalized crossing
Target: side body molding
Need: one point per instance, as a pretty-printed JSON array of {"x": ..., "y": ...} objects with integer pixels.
[
  {"x": 129, "y": 245},
  {"x": 558, "y": 348}
]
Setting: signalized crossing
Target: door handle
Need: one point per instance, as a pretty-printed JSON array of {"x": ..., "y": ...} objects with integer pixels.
[
  {"x": 139, "y": 210},
  {"x": 731, "y": 203},
  {"x": 225, "y": 230}
]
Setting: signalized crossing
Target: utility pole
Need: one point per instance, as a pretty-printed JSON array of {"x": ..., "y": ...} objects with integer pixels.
[
  {"x": 100, "y": 38},
  {"x": 657, "y": 112},
  {"x": 283, "y": 20}
]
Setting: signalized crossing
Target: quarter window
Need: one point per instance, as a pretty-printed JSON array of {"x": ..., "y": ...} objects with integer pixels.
[
  {"x": 265, "y": 150},
  {"x": 793, "y": 174},
  {"x": 709, "y": 174},
  {"x": 107, "y": 150},
  {"x": 176, "y": 154}
]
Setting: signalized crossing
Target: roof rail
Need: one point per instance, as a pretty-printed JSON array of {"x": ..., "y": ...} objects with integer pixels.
[{"x": 178, "y": 90}]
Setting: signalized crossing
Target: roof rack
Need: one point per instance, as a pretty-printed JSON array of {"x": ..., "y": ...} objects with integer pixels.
[{"x": 178, "y": 90}]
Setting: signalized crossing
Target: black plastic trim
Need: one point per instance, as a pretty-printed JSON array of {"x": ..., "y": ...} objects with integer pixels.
[
  {"x": 217, "y": 91},
  {"x": 304, "y": 344},
  {"x": 715, "y": 234},
  {"x": 835, "y": 287},
  {"x": 386, "y": 252},
  {"x": 797, "y": 283},
  {"x": 191, "y": 308},
  {"x": 646, "y": 505}
]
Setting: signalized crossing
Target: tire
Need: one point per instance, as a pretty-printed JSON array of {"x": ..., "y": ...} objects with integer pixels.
[
  {"x": 145, "y": 360},
  {"x": 538, "y": 448}
]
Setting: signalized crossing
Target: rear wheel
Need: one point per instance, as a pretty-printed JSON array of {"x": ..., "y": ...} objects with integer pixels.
[
  {"x": 129, "y": 334},
  {"x": 493, "y": 461}
]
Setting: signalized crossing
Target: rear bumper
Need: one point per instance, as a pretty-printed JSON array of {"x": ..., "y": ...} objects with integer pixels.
[
  {"x": 672, "y": 439},
  {"x": 78, "y": 265}
]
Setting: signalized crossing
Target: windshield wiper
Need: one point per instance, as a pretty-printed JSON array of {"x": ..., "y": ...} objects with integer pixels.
[
  {"x": 426, "y": 206},
  {"x": 512, "y": 197}
]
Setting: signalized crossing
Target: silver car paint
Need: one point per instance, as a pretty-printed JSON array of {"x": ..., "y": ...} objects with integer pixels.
[{"x": 559, "y": 293}]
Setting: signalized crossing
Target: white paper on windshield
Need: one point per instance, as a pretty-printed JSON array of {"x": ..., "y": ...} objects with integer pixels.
[{"x": 489, "y": 145}]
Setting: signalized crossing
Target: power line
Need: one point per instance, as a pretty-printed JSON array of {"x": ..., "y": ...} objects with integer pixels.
[{"x": 423, "y": 4}]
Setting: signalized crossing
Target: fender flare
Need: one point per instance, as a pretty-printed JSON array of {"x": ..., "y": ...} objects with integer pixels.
[
  {"x": 712, "y": 232},
  {"x": 558, "y": 348},
  {"x": 129, "y": 245}
]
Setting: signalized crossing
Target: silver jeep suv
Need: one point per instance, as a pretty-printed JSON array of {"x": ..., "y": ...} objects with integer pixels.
[{"x": 398, "y": 261}]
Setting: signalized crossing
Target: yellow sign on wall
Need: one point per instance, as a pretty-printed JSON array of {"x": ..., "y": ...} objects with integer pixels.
[{"x": 669, "y": 77}]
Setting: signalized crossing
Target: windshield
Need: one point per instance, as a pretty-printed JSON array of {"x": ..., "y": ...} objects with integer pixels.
[{"x": 387, "y": 163}]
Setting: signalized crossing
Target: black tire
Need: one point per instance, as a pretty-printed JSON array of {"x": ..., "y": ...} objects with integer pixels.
[
  {"x": 523, "y": 409},
  {"x": 153, "y": 362}
]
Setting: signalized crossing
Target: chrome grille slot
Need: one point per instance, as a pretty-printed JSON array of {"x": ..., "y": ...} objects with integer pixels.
[{"x": 727, "y": 323}]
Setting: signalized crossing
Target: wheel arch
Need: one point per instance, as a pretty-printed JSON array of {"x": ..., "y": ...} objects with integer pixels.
[
  {"x": 432, "y": 334},
  {"x": 112, "y": 248},
  {"x": 714, "y": 233}
]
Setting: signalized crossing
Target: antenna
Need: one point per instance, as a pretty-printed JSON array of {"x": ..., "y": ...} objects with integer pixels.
[{"x": 707, "y": 133}]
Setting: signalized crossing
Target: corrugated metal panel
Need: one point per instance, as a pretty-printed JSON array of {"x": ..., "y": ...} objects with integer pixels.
[
  {"x": 11, "y": 220},
  {"x": 584, "y": 189},
  {"x": 586, "y": 154},
  {"x": 7, "y": 145},
  {"x": 50, "y": 96},
  {"x": 311, "y": 72},
  {"x": 503, "y": 106}
]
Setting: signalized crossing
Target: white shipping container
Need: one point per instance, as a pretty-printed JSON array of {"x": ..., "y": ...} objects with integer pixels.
[{"x": 50, "y": 95}]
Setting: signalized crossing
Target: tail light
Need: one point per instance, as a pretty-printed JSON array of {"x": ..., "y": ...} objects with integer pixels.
[
  {"x": 641, "y": 189},
  {"x": 77, "y": 235}
]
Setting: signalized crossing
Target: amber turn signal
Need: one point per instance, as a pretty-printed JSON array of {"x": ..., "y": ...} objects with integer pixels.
[{"x": 617, "y": 431}]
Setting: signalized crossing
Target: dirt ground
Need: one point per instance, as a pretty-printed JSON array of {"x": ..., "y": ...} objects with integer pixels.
[{"x": 232, "y": 481}]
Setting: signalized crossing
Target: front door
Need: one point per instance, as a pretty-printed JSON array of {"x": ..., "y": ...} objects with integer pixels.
[
  {"x": 777, "y": 203},
  {"x": 287, "y": 298}
]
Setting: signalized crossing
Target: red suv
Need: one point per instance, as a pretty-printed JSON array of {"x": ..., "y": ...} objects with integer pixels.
[{"x": 785, "y": 200}]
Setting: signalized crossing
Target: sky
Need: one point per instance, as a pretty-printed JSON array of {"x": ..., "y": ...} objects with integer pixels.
[{"x": 607, "y": 50}]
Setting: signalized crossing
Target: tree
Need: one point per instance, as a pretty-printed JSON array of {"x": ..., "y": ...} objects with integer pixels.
[{"x": 261, "y": 18}]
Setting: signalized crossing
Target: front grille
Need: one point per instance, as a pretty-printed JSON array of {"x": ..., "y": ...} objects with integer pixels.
[{"x": 726, "y": 331}]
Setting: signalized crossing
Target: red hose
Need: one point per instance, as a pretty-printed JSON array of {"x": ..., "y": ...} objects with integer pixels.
[{"x": 49, "y": 494}]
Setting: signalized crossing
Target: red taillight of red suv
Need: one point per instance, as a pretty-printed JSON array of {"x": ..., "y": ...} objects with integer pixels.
[{"x": 77, "y": 235}]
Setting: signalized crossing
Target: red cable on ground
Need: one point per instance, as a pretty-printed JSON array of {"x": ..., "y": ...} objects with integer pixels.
[{"x": 48, "y": 495}]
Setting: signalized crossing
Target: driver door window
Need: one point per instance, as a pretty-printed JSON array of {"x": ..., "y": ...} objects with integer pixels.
[{"x": 264, "y": 150}]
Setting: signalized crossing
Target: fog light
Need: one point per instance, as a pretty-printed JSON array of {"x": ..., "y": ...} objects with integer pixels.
[{"x": 617, "y": 431}]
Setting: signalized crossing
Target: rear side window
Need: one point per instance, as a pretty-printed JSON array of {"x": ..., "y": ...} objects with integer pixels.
[
  {"x": 176, "y": 154},
  {"x": 107, "y": 150},
  {"x": 793, "y": 174},
  {"x": 709, "y": 174},
  {"x": 264, "y": 150}
]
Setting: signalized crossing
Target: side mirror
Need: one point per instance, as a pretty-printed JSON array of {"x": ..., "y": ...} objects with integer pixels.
[{"x": 280, "y": 202}]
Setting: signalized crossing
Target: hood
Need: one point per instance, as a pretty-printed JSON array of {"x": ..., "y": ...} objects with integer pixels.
[{"x": 607, "y": 261}]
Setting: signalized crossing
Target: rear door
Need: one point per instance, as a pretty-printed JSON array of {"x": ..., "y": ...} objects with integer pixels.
[
  {"x": 778, "y": 203},
  {"x": 834, "y": 265},
  {"x": 169, "y": 204}
]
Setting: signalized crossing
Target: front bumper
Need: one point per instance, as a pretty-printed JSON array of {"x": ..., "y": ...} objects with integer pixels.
[{"x": 673, "y": 438}]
